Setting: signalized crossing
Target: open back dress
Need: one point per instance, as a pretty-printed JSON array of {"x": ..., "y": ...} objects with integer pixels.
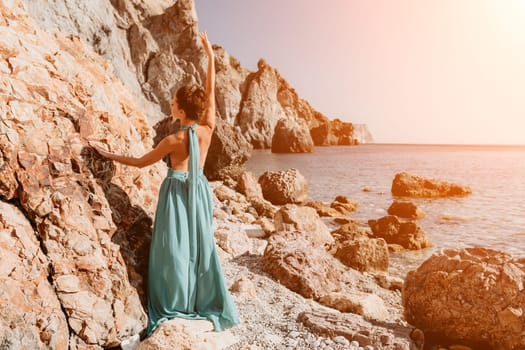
[{"x": 185, "y": 276}]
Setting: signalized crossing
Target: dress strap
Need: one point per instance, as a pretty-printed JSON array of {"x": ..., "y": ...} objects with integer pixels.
[{"x": 193, "y": 177}]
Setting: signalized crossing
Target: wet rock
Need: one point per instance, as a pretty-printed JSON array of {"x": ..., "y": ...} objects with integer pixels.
[
  {"x": 407, "y": 210},
  {"x": 292, "y": 136},
  {"x": 409, "y": 185},
  {"x": 407, "y": 234},
  {"x": 364, "y": 254},
  {"x": 304, "y": 219},
  {"x": 472, "y": 296},
  {"x": 323, "y": 209},
  {"x": 282, "y": 187},
  {"x": 301, "y": 266},
  {"x": 344, "y": 205}
]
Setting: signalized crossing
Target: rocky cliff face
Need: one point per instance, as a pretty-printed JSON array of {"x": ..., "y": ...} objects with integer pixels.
[
  {"x": 153, "y": 49},
  {"x": 92, "y": 218}
]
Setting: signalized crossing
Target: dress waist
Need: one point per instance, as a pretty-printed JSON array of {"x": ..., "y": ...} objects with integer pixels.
[{"x": 181, "y": 174}]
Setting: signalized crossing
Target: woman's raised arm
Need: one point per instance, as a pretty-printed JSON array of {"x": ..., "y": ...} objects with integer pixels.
[{"x": 209, "y": 113}]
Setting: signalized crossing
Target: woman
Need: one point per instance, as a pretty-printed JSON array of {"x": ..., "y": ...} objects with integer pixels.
[{"x": 185, "y": 276}]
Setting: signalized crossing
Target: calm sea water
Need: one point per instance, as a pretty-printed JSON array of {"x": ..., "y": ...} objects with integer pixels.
[{"x": 492, "y": 216}]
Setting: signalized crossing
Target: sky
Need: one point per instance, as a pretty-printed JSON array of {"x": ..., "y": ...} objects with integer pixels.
[{"x": 413, "y": 71}]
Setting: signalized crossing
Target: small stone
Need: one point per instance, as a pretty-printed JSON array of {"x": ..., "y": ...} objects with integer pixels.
[
  {"x": 341, "y": 340},
  {"x": 294, "y": 334},
  {"x": 385, "y": 339}
]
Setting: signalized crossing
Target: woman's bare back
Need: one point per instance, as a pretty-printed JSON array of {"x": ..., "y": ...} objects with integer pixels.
[{"x": 179, "y": 157}]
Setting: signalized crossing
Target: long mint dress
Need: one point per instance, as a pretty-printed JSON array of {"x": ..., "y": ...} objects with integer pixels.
[{"x": 185, "y": 276}]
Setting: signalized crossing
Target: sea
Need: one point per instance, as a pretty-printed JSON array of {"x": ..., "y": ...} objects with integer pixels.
[{"x": 493, "y": 216}]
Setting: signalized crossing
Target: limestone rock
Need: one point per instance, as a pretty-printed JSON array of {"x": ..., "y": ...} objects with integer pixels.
[
  {"x": 301, "y": 266},
  {"x": 323, "y": 209},
  {"x": 349, "y": 231},
  {"x": 244, "y": 289},
  {"x": 93, "y": 217},
  {"x": 333, "y": 132},
  {"x": 292, "y": 136},
  {"x": 282, "y": 187},
  {"x": 247, "y": 184},
  {"x": 30, "y": 313},
  {"x": 409, "y": 185},
  {"x": 228, "y": 147},
  {"x": 406, "y": 210},
  {"x": 407, "y": 234},
  {"x": 365, "y": 254},
  {"x": 344, "y": 205},
  {"x": 370, "y": 306},
  {"x": 353, "y": 327},
  {"x": 305, "y": 219},
  {"x": 233, "y": 239},
  {"x": 474, "y": 296},
  {"x": 182, "y": 334},
  {"x": 260, "y": 109}
]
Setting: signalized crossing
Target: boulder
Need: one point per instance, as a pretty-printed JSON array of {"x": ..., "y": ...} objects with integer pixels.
[
  {"x": 409, "y": 185},
  {"x": 233, "y": 239},
  {"x": 179, "y": 333},
  {"x": 407, "y": 234},
  {"x": 405, "y": 209},
  {"x": 282, "y": 187},
  {"x": 333, "y": 132},
  {"x": 244, "y": 288},
  {"x": 472, "y": 296},
  {"x": 364, "y": 254},
  {"x": 344, "y": 205},
  {"x": 292, "y": 136},
  {"x": 247, "y": 184},
  {"x": 323, "y": 209},
  {"x": 228, "y": 148},
  {"x": 348, "y": 231},
  {"x": 354, "y": 328},
  {"x": 304, "y": 219},
  {"x": 370, "y": 306},
  {"x": 301, "y": 266},
  {"x": 30, "y": 312}
]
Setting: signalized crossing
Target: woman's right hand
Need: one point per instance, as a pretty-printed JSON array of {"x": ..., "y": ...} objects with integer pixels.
[{"x": 206, "y": 44}]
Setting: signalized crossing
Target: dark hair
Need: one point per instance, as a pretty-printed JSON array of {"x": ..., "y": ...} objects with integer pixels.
[{"x": 191, "y": 99}]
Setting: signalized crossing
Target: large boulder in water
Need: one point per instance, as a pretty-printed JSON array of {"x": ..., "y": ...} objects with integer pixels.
[
  {"x": 407, "y": 234},
  {"x": 364, "y": 254},
  {"x": 292, "y": 136},
  {"x": 473, "y": 296},
  {"x": 409, "y": 185},
  {"x": 282, "y": 187}
]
